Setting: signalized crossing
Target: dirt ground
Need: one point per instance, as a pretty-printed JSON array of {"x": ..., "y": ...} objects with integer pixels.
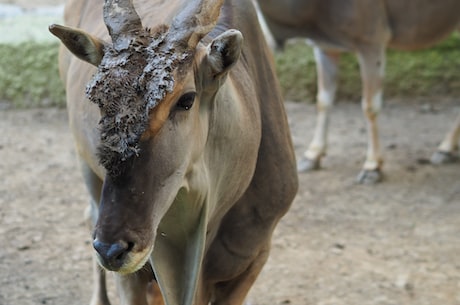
[{"x": 341, "y": 243}]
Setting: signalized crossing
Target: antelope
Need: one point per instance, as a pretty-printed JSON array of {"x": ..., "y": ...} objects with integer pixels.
[
  {"x": 183, "y": 141},
  {"x": 365, "y": 28}
]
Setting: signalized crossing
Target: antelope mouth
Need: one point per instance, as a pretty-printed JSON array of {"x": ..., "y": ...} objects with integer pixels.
[{"x": 124, "y": 261}]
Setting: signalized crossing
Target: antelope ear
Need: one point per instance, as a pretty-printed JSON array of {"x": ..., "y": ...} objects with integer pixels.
[
  {"x": 80, "y": 43},
  {"x": 224, "y": 51}
]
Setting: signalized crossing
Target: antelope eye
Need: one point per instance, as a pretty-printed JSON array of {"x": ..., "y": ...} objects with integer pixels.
[{"x": 186, "y": 101}]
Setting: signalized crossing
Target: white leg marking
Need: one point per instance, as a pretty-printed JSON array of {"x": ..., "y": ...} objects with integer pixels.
[
  {"x": 372, "y": 64},
  {"x": 326, "y": 65},
  {"x": 373, "y": 158},
  {"x": 450, "y": 142}
]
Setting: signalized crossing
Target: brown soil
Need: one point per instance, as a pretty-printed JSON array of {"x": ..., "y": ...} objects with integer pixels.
[{"x": 341, "y": 243}]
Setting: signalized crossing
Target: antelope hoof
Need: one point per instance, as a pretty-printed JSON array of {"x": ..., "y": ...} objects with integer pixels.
[
  {"x": 307, "y": 165},
  {"x": 369, "y": 176},
  {"x": 443, "y": 157}
]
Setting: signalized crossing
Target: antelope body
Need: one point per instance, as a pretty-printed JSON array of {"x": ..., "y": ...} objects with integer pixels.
[
  {"x": 366, "y": 28},
  {"x": 183, "y": 141}
]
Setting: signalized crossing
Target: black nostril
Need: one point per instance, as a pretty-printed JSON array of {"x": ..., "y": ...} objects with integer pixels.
[{"x": 112, "y": 256}]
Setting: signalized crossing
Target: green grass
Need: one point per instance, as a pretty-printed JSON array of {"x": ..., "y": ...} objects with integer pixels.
[
  {"x": 29, "y": 73},
  {"x": 429, "y": 72}
]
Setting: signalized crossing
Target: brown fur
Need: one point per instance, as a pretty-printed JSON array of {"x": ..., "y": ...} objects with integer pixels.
[
  {"x": 194, "y": 191},
  {"x": 365, "y": 28}
]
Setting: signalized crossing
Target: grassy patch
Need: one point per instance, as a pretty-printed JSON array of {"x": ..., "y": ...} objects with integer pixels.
[
  {"x": 29, "y": 75},
  {"x": 429, "y": 72}
]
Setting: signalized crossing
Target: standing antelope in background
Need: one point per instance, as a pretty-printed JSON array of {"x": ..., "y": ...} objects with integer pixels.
[
  {"x": 366, "y": 28},
  {"x": 184, "y": 144}
]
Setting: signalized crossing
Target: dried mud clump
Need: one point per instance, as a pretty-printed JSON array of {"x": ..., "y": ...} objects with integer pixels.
[{"x": 128, "y": 84}]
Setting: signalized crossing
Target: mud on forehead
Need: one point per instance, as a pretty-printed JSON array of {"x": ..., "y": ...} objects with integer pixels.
[{"x": 128, "y": 84}]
